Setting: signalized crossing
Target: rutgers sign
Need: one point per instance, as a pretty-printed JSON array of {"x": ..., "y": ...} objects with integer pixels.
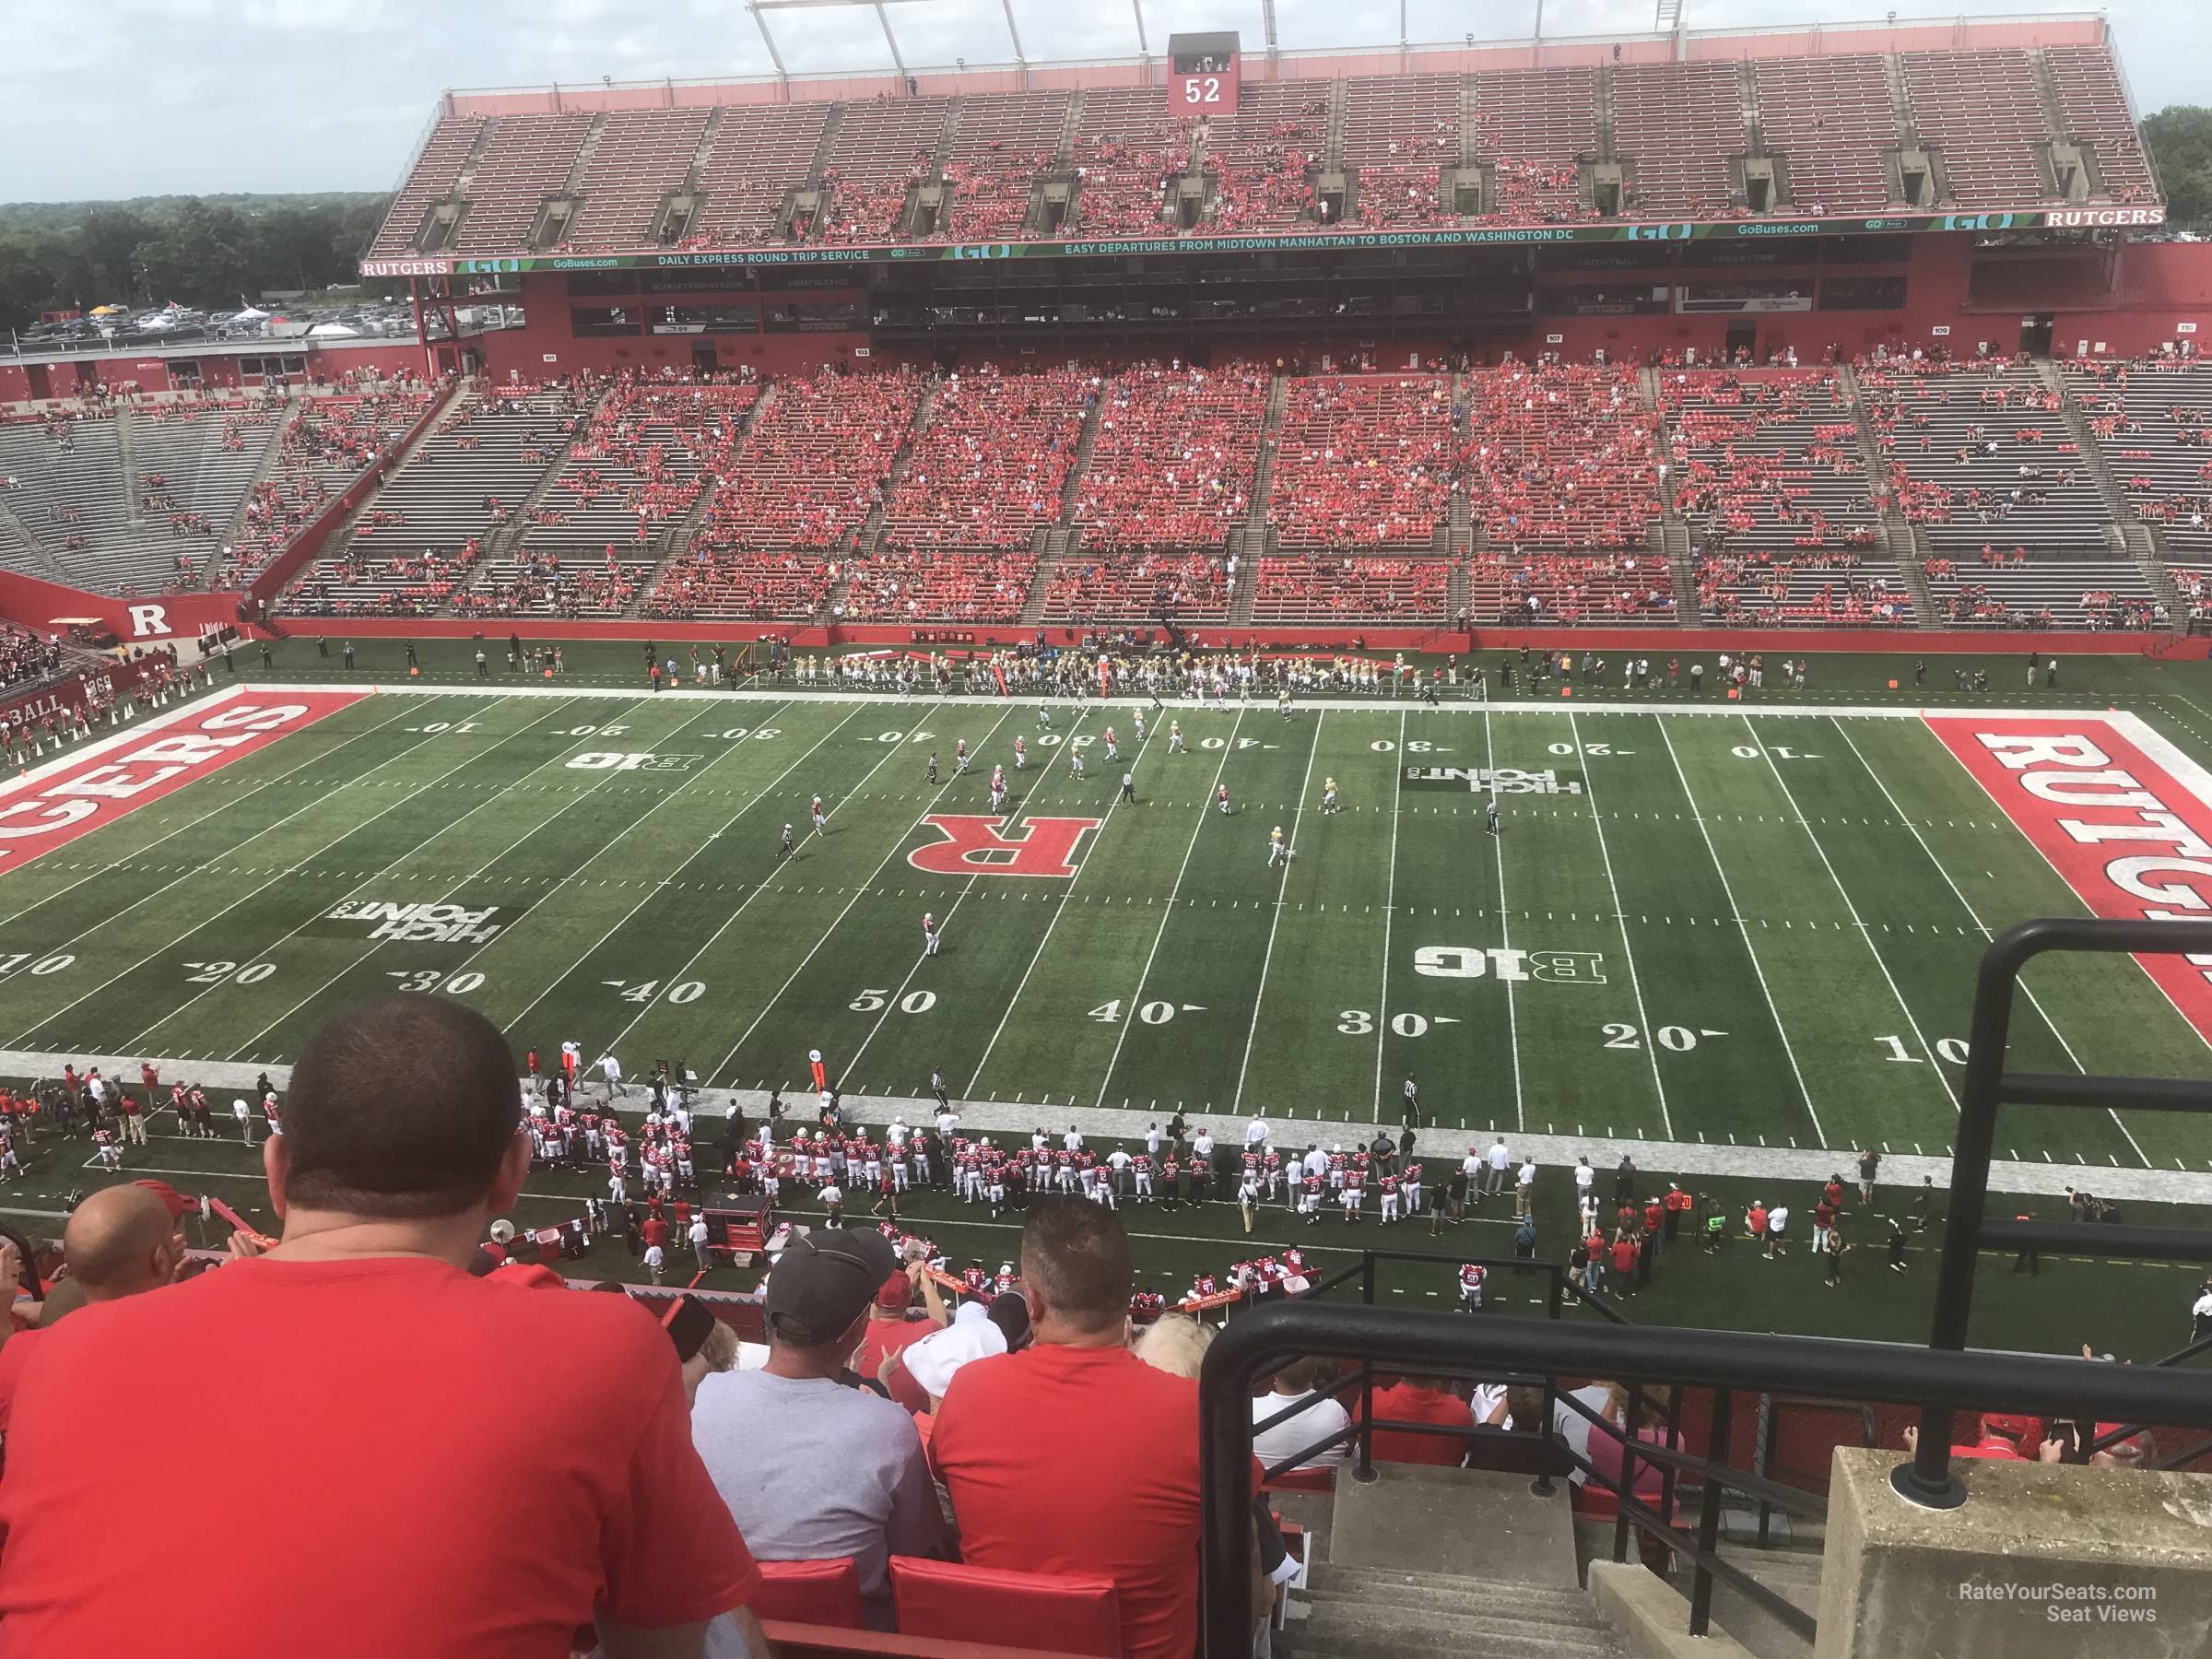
[{"x": 973, "y": 846}]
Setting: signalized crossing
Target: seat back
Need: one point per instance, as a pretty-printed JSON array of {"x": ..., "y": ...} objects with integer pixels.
[
  {"x": 817, "y": 1593},
  {"x": 1056, "y": 1613}
]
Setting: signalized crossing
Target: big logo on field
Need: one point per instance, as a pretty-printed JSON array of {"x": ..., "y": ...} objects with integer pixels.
[{"x": 974, "y": 846}]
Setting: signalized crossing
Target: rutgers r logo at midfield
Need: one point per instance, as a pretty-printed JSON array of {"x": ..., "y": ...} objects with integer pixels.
[{"x": 973, "y": 846}]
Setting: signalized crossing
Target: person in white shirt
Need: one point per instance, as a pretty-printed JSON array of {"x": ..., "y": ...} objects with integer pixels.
[
  {"x": 1525, "y": 1188},
  {"x": 1470, "y": 1175},
  {"x": 1317, "y": 1415},
  {"x": 655, "y": 1259},
  {"x": 1152, "y": 1139},
  {"x": 1778, "y": 1219},
  {"x": 611, "y": 1069},
  {"x": 1072, "y": 1139},
  {"x": 245, "y": 1114},
  {"x": 1499, "y": 1158},
  {"x": 1584, "y": 1176},
  {"x": 1255, "y": 1133},
  {"x": 947, "y": 1120},
  {"x": 2200, "y": 1315},
  {"x": 698, "y": 1236}
]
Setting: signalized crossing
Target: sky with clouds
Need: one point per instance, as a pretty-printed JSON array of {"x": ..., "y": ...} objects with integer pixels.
[{"x": 159, "y": 96}]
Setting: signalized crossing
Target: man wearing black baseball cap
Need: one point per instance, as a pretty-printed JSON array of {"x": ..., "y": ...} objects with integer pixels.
[{"x": 819, "y": 1468}]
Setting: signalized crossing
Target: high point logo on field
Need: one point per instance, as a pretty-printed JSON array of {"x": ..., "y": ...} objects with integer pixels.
[
  {"x": 423, "y": 923},
  {"x": 973, "y": 845},
  {"x": 1482, "y": 779}
]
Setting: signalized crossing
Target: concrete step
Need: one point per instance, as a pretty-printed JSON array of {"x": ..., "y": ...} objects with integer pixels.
[
  {"x": 1474, "y": 1594},
  {"x": 1379, "y": 1631},
  {"x": 1421, "y": 1518}
]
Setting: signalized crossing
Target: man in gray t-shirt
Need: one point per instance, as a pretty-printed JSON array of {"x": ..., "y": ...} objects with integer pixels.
[{"x": 813, "y": 1469}]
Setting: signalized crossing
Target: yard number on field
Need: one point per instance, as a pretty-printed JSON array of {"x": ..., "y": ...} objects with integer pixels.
[
  {"x": 1950, "y": 1048},
  {"x": 427, "y": 980},
  {"x": 1151, "y": 1013},
  {"x": 872, "y": 997},
  {"x": 44, "y": 965},
  {"x": 644, "y": 990},
  {"x": 1678, "y": 1039},
  {"x": 215, "y": 973}
]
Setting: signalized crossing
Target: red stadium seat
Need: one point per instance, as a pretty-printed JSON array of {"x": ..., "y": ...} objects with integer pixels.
[
  {"x": 819, "y": 1593},
  {"x": 1056, "y": 1613}
]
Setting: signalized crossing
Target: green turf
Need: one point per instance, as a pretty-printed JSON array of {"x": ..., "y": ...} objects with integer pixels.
[{"x": 1785, "y": 910}]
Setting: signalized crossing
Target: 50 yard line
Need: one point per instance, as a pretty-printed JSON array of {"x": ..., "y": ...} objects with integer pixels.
[
  {"x": 1297, "y": 814},
  {"x": 1205, "y": 806},
  {"x": 1651, "y": 1039},
  {"x": 858, "y": 893}
]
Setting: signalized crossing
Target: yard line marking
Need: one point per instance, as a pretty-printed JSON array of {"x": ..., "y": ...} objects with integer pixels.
[
  {"x": 1297, "y": 813},
  {"x": 275, "y": 876},
  {"x": 1505, "y": 933},
  {"x": 1038, "y": 955},
  {"x": 1390, "y": 906},
  {"x": 1137, "y": 996},
  {"x": 1651, "y": 1039},
  {"x": 456, "y": 884},
  {"x": 889, "y": 749},
  {"x": 1964, "y": 903},
  {"x": 1752, "y": 732},
  {"x": 1728, "y": 888},
  {"x": 186, "y": 872},
  {"x": 100, "y": 869},
  {"x": 759, "y": 887},
  {"x": 317, "y": 912},
  {"x": 893, "y": 1000}
]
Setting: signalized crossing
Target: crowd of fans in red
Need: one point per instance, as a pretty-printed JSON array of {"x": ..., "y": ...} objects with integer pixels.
[
  {"x": 1362, "y": 462},
  {"x": 1562, "y": 455}
]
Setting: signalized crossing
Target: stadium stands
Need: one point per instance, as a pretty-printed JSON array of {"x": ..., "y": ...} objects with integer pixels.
[
  {"x": 761, "y": 152},
  {"x": 801, "y": 484},
  {"x": 1679, "y": 123},
  {"x": 436, "y": 171},
  {"x": 332, "y": 443},
  {"x": 526, "y": 160},
  {"x": 417, "y": 540},
  {"x": 136, "y": 499},
  {"x": 1981, "y": 454},
  {"x": 1261, "y": 157},
  {"x": 1563, "y": 456},
  {"x": 1534, "y": 128},
  {"x": 1362, "y": 462},
  {"x": 1831, "y": 120},
  {"x": 1767, "y": 455},
  {"x": 2013, "y": 589},
  {"x": 990, "y": 467},
  {"x": 2094, "y": 104},
  {"x": 1173, "y": 462},
  {"x": 1127, "y": 148},
  {"x": 881, "y": 149},
  {"x": 1400, "y": 133},
  {"x": 1188, "y": 586},
  {"x": 999, "y": 149},
  {"x": 1798, "y": 590},
  {"x": 1563, "y": 590},
  {"x": 642, "y": 155},
  {"x": 1321, "y": 588},
  {"x": 1979, "y": 111},
  {"x": 2153, "y": 419}
]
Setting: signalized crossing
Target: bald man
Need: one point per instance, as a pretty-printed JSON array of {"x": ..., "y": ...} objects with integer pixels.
[{"x": 119, "y": 1241}]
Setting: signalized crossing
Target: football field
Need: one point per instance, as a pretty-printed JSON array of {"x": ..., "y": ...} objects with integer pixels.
[{"x": 1748, "y": 926}]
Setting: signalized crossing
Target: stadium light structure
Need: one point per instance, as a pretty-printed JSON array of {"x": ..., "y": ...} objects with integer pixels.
[{"x": 760, "y": 8}]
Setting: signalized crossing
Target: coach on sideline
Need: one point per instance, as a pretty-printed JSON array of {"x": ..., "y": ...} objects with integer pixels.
[{"x": 396, "y": 1499}]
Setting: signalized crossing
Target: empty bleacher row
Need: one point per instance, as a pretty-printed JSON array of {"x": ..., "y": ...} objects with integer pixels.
[
  {"x": 2154, "y": 422},
  {"x": 137, "y": 499},
  {"x": 1768, "y": 458},
  {"x": 1835, "y": 122},
  {"x": 417, "y": 539}
]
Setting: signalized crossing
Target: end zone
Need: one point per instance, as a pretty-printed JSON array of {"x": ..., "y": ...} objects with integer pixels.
[{"x": 53, "y": 804}]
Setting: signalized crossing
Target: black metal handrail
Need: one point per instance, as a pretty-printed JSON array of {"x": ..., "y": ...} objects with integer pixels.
[
  {"x": 1927, "y": 1479},
  {"x": 1258, "y": 1342}
]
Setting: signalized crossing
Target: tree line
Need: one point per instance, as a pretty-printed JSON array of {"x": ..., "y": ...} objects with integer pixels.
[{"x": 190, "y": 250}]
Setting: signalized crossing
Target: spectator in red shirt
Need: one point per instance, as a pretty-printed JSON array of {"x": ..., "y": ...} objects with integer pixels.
[
  {"x": 889, "y": 1331},
  {"x": 1032, "y": 1497},
  {"x": 1419, "y": 1400},
  {"x": 377, "y": 1444}
]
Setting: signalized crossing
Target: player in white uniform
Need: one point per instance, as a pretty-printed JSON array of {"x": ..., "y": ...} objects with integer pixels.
[
  {"x": 1328, "y": 795},
  {"x": 1175, "y": 737},
  {"x": 959, "y": 757},
  {"x": 1282, "y": 703},
  {"x": 1021, "y": 753},
  {"x": 1044, "y": 718},
  {"x": 1075, "y": 762},
  {"x": 929, "y": 934},
  {"x": 1276, "y": 852},
  {"x": 998, "y": 789},
  {"x": 1140, "y": 725}
]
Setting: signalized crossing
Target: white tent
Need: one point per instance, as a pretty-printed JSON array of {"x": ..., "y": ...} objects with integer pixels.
[
  {"x": 333, "y": 331},
  {"x": 253, "y": 313}
]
